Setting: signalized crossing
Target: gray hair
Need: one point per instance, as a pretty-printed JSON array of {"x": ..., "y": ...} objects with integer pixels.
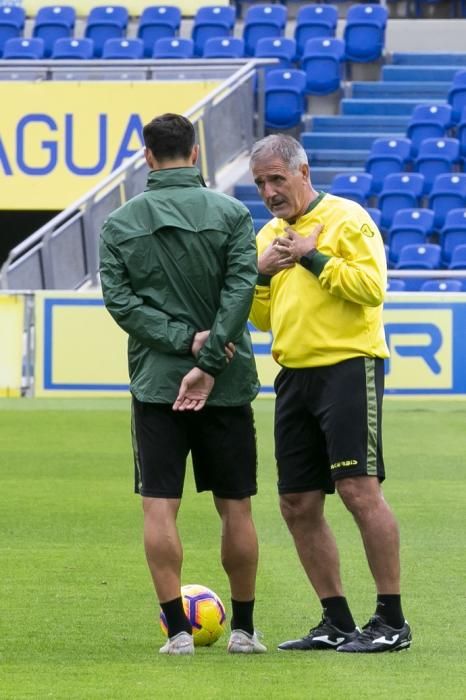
[{"x": 287, "y": 148}]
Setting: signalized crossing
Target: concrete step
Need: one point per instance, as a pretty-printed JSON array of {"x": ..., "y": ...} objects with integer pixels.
[
  {"x": 360, "y": 123},
  {"x": 338, "y": 158},
  {"x": 381, "y": 106},
  {"x": 420, "y": 91}
]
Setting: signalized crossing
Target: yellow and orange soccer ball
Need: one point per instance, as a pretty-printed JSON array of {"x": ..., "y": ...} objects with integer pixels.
[{"x": 206, "y": 613}]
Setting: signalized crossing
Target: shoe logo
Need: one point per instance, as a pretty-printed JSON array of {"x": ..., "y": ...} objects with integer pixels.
[
  {"x": 325, "y": 638},
  {"x": 384, "y": 640}
]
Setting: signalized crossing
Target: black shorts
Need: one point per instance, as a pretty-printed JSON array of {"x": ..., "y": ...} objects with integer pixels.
[
  {"x": 328, "y": 424},
  {"x": 222, "y": 442}
]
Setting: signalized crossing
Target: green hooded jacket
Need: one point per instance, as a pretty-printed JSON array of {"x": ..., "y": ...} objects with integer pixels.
[{"x": 177, "y": 259}]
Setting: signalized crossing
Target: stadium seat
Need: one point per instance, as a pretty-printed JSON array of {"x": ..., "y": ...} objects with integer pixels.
[
  {"x": 435, "y": 157},
  {"x": 224, "y": 47},
  {"x": 123, "y": 49},
  {"x": 211, "y": 21},
  {"x": 12, "y": 19},
  {"x": 158, "y": 22},
  {"x": 260, "y": 21},
  {"x": 399, "y": 191},
  {"x": 364, "y": 32},
  {"x": 355, "y": 187},
  {"x": 312, "y": 22},
  {"x": 105, "y": 22},
  {"x": 23, "y": 49},
  {"x": 282, "y": 48},
  {"x": 461, "y": 133},
  {"x": 73, "y": 49},
  {"x": 409, "y": 227},
  {"x": 322, "y": 62},
  {"x": 458, "y": 258},
  {"x": 442, "y": 285},
  {"x": 448, "y": 192},
  {"x": 284, "y": 98},
  {"x": 395, "y": 285},
  {"x": 375, "y": 214},
  {"x": 52, "y": 23},
  {"x": 452, "y": 233},
  {"x": 419, "y": 257},
  {"x": 457, "y": 95},
  {"x": 428, "y": 121},
  {"x": 173, "y": 48},
  {"x": 257, "y": 209},
  {"x": 387, "y": 155}
]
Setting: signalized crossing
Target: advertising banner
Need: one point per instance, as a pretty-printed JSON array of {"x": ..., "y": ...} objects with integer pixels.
[
  {"x": 81, "y": 351},
  {"x": 59, "y": 139},
  {"x": 11, "y": 344}
]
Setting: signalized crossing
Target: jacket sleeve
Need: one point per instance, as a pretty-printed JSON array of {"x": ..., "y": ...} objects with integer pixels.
[
  {"x": 358, "y": 272},
  {"x": 146, "y": 324},
  {"x": 235, "y": 298}
]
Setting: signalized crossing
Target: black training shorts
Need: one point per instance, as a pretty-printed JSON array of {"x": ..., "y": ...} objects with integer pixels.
[
  {"x": 222, "y": 442},
  {"x": 328, "y": 424}
]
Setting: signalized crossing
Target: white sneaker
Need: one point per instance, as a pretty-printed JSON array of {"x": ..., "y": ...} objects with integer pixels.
[
  {"x": 181, "y": 643},
  {"x": 243, "y": 643}
]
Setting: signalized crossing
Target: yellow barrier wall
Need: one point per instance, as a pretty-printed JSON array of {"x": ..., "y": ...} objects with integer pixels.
[
  {"x": 11, "y": 344},
  {"x": 58, "y": 140},
  {"x": 135, "y": 7}
]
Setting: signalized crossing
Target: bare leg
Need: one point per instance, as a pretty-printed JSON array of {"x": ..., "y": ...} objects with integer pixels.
[
  {"x": 379, "y": 530},
  {"x": 239, "y": 548},
  {"x": 162, "y": 544},
  {"x": 314, "y": 541}
]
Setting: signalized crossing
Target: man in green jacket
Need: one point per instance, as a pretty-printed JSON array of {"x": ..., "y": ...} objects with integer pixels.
[{"x": 178, "y": 270}]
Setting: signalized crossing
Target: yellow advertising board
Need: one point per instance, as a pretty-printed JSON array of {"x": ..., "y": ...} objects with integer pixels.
[
  {"x": 11, "y": 343},
  {"x": 59, "y": 139},
  {"x": 135, "y": 7}
]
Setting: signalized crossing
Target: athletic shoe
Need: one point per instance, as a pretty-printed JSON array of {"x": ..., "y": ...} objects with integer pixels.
[
  {"x": 181, "y": 643},
  {"x": 242, "y": 642},
  {"x": 324, "y": 636},
  {"x": 377, "y": 636}
]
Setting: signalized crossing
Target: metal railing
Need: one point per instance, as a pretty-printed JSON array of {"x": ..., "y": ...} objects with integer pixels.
[{"x": 63, "y": 254}]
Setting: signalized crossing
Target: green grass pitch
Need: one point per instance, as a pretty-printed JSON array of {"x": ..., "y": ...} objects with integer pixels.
[{"x": 78, "y": 617}]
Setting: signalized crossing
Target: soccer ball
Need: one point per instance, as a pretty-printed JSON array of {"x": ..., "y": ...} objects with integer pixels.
[{"x": 205, "y": 612}]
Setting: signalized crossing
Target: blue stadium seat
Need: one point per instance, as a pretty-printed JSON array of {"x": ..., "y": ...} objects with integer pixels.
[
  {"x": 314, "y": 21},
  {"x": 284, "y": 98},
  {"x": 257, "y": 209},
  {"x": 458, "y": 258},
  {"x": 23, "y": 49},
  {"x": 12, "y": 19},
  {"x": 428, "y": 121},
  {"x": 395, "y": 285},
  {"x": 435, "y": 157},
  {"x": 282, "y": 48},
  {"x": 457, "y": 95},
  {"x": 364, "y": 32},
  {"x": 158, "y": 22},
  {"x": 173, "y": 48},
  {"x": 52, "y": 23},
  {"x": 375, "y": 214},
  {"x": 448, "y": 192},
  {"x": 387, "y": 155},
  {"x": 322, "y": 61},
  {"x": 452, "y": 233},
  {"x": 105, "y": 22},
  {"x": 419, "y": 257},
  {"x": 260, "y": 21},
  {"x": 123, "y": 49},
  {"x": 224, "y": 47},
  {"x": 73, "y": 49},
  {"x": 354, "y": 186},
  {"x": 461, "y": 133},
  {"x": 211, "y": 21},
  {"x": 442, "y": 285},
  {"x": 399, "y": 191},
  {"x": 409, "y": 226}
]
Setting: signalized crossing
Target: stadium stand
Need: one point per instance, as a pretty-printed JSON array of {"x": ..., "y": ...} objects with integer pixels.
[
  {"x": 364, "y": 32},
  {"x": 212, "y": 21},
  {"x": 436, "y": 157},
  {"x": 52, "y": 23},
  {"x": 24, "y": 49},
  {"x": 281, "y": 48},
  {"x": 452, "y": 233},
  {"x": 123, "y": 49},
  {"x": 284, "y": 98},
  {"x": 355, "y": 187},
  {"x": 428, "y": 121},
  {"x": 263, "y": 21},
  {"x": 409, "y": 227},
  {"x": 158, "y": 22},
  {"x": 323, "y": 61},
  {"x": 12, "y": 20},
  {"x": 106, "y": 22},
  {"x": 458, "y": 258},
  {"x": 399, "y": 191},
  {"x": 446, "y": 285},
  {"x": 314, "y": 21},
  {"x": 448, "y": 192},
  {"x": 419, "y": 257},
  {"x": 388, "y": 155},
  {"x": 173, "y": 48},
  {"x": 224, "y": 47},
  {"x": 73, "y": 49}
]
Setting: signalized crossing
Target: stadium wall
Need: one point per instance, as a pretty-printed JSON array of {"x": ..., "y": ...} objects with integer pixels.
[{"x": 80, "y": 351}]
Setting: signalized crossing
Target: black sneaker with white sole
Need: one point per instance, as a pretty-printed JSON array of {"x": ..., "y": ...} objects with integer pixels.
[
  {"x": 324, "y": 636},
  {"x": 377, "y": 637}
]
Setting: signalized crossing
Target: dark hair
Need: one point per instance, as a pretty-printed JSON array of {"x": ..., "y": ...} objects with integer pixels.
[{"x": 169, "y": 136}]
